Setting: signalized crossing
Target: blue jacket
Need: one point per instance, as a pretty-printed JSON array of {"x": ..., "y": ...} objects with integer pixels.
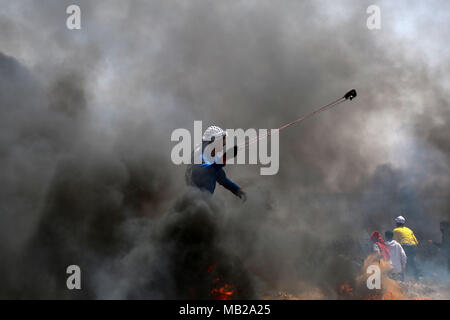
[{"x": 205, "y": 175}]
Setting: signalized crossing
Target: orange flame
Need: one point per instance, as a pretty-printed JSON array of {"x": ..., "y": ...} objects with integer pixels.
[
  {"x": 346, "y": 289},
  {"x": 221, "y": 290},
  {"x": 389, "y": 296},
  {"x": 223, "y": 293},
  {"x": 390, "y": 290}
]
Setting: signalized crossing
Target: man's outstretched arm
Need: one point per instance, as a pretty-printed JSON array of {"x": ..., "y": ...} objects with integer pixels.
[{"x": 228, "y": 184}]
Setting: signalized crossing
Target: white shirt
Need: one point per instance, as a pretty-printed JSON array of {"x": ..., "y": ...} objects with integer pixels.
[{"x": 398, "y": 256}]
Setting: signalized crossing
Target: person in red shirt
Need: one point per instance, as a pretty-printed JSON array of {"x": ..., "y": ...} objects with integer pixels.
[{"x": 379, "y": 246}]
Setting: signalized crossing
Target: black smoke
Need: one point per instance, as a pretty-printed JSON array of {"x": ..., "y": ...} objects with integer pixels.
[{"x": 86, "y": 119}]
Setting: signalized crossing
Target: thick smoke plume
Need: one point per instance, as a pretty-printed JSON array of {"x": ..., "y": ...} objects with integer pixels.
[{"x": 86, "y": 118}]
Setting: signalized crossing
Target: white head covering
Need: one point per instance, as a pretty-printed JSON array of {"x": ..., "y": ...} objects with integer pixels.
[
  {"x": 400, "y": 219},
  {"x": 213, "y": 131},
  {"x": 200, "y": 156}
]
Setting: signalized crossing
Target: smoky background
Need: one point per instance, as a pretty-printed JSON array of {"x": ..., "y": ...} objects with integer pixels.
[{"x": 86, "y": 119}]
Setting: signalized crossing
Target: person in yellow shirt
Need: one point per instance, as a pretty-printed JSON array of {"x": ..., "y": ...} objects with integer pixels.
[{"x": 405, "y": 236}]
